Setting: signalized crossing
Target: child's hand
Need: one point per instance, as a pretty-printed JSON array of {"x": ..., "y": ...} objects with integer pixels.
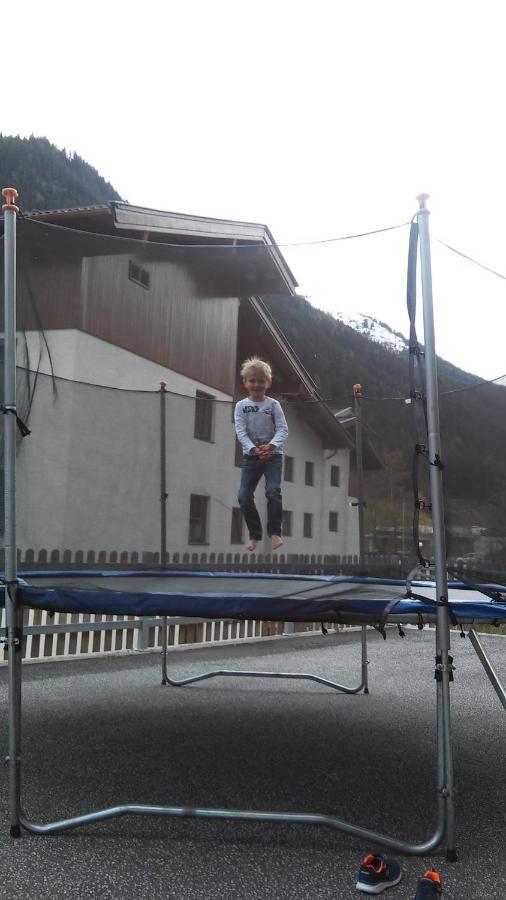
[{"x": 264, "y": 451}]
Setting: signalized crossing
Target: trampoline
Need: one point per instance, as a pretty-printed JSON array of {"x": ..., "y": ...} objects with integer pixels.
[{"x": 361, "y": 601}]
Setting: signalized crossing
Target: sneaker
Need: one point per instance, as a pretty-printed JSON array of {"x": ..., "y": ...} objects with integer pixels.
[
  {"x": 377, "y": 874},
  {"x": 429, "y": 886}
]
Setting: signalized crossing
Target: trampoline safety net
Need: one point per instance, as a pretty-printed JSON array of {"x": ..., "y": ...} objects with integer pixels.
[{"x": 128, "y": 354}]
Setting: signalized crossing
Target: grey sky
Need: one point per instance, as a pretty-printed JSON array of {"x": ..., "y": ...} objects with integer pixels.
[{"x": 320, "y": 119}]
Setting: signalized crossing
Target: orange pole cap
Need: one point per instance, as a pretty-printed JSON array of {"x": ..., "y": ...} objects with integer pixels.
[
  {"x": 357, "y": 390},
  {"x": 10, "y": 195}
]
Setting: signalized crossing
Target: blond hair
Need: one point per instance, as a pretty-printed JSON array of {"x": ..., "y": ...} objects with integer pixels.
[{"x": 254, "y": 362}]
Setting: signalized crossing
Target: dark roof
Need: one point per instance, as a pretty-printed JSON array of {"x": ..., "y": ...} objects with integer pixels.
[{"x": 243, "y": 256}]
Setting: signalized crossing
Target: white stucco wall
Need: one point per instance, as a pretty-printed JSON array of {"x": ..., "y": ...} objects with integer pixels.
[{"x": 89, "y": 474}]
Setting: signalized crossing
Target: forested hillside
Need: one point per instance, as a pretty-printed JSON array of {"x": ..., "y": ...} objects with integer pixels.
[
  {"x": 472, "y": 414},
  {"x": 48, "y": 178}
]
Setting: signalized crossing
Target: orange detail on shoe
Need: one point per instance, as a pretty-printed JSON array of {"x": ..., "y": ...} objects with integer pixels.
[
  {"x": 434, "y": 876},
  {"x": 374, "y": 862}
]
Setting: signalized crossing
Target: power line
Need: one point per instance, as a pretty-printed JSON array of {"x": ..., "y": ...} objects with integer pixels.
[
  {"x": 471, "y": 259},
  {"x": 229, "y": 246}
]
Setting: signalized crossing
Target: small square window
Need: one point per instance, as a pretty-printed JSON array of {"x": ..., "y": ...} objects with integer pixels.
[
  {"x": 204, "y": 416},
  {"x": 287, "y": 522},
  {"x": 236, "y": 530},
  {"x": 308, "y": 525},
  {"x": 288, "y": 468},
  {"x": 197, "y": 533},
  {"x": 334, "y": 476},
  {"x": 333, "y": 521},
  {"x": 239, "y": 454},
  {"x": 138, "y": 275},
  {"x": 309, "y": 478}
]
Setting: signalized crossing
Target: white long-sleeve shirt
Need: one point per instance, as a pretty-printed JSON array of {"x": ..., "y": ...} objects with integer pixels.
[{"x": 260, "y": 422}]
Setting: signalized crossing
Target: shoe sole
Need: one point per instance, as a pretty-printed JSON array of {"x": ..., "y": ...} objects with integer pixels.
[{"x": 376, "y": 888}]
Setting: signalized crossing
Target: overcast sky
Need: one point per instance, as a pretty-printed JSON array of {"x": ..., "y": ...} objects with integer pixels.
[{"x": 318, "y": 119}]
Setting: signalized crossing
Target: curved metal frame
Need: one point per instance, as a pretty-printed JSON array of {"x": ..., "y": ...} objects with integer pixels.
[{"x": 241, "y": 673}]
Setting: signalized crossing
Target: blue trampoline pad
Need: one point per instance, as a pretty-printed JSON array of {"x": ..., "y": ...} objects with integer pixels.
[{"x": 268, "y": 597}]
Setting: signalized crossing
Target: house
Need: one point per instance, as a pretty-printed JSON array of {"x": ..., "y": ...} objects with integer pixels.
[{"x": 132, "y": 324}]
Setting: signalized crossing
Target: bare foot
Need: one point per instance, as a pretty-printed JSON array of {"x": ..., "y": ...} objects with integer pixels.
[
  {"x": 251, "y": 545},
  {"x": 276, "y": 541}
]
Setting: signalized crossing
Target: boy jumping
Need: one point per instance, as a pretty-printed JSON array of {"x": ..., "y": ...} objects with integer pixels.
[{"x": 261, "y": 428}]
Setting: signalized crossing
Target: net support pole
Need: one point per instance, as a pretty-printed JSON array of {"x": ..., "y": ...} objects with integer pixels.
[
  {"x": 13, "y": 611},
  {"x": 163, "y": 475},
  {"x": 443, "y": 659},
  {"x": 357, "y": 393}
]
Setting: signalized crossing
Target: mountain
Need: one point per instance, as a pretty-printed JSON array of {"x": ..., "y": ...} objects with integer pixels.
[
  {"x": 49, "y": 178},
  {"x": 472, "y": 418},
  {"x": 376, "y": 331}
]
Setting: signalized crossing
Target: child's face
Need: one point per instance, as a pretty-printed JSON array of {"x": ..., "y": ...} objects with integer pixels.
[{"x": 256, "y": 384}]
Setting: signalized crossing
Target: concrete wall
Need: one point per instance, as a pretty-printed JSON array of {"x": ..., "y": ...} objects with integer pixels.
[{"x": 89, "y": 474}]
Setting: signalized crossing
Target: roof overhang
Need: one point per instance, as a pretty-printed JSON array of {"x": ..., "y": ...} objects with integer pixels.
[
  {"x": 249, "y": 242},
  {"x": 238, "y": 258}
]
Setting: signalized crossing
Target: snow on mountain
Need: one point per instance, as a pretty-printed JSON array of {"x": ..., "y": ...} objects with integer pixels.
[{"x": 374, "y": 330}]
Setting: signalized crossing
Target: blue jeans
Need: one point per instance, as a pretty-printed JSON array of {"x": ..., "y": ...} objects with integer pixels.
[{"x": 252, "y": 469}]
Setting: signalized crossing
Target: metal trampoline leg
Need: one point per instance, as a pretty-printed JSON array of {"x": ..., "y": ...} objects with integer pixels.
[
  {"x": 165, "y": 635},
  {"x": 14, "y": 645},
  {"x": 445, "y": 787},
  {"x": 237, "y": 673},
  {"x": 365, "y": 661}
]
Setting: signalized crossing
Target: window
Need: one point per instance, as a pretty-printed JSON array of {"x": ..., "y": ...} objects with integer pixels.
[
  {"x": 198, "y": 519},
  {"x": 333, "y": 521},
  {"x": 287, "y": 523},
  {"x": 308, "y": 525},
  {"x": 334, "y": 477},
  {"x": 288, "y": 471},
  {"x": 204, "y": 414},
  {"x": 238, "y": 453},
  {"x": 236, "y": 526},
  {"x": 138, "y": 275},
  {"x": 309, "y": 479}
]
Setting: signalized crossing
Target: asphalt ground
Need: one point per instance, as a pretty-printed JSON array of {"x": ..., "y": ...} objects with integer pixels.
[{"x": 103, "y": 732}]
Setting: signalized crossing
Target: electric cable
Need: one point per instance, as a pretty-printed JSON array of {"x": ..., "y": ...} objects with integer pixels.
[{"x": 470, "y": 259}]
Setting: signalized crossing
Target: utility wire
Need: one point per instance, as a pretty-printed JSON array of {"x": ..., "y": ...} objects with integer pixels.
[
  {"x": 470, "y": 259},
  {"x": 229, "y": 246},
  {"x": 470, "y": 387}
]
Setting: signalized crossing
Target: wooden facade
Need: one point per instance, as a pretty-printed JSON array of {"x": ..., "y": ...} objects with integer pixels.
[{"x": 139, "y": 280}]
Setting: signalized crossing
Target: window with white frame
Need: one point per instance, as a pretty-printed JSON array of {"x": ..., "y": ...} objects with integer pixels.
[
  {"x": 204, "y": 416},
  {"x": 198, "y": 524},
  {"x": 236, "y": 527}
]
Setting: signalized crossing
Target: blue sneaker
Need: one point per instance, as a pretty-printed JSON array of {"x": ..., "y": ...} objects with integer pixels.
[
  {"x": 377, "y": 874},
  {"x": 429, "y": 886}
]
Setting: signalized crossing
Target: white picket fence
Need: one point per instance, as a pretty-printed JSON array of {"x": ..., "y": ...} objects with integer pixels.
[{"x": 67, "y": 635}]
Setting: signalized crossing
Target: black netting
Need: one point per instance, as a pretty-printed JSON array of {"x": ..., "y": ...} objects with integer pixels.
[{"x": 118, "y": 471}]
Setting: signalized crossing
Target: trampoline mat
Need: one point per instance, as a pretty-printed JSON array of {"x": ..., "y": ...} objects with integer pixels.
[{"x": 267, "y": 597}]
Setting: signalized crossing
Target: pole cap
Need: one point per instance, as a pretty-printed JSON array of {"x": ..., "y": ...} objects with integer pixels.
[
  {"x": 357, "y": 390},
  {"x": 10, "y": 195},
  {"x": 163, "y": 384}
]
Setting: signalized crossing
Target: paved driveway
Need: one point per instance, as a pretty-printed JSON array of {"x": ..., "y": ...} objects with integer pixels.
[{"x": 101, "y": 732}]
